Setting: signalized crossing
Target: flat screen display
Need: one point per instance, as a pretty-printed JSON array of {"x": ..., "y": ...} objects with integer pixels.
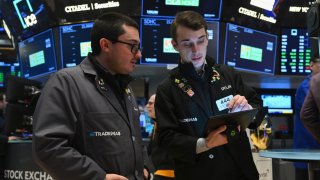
[
  {"x": 75, "y": 43},
  {"x": 37, "y": 55},
  {"x": 295, "y": 52},
  {"x": 264, "y": 15},
  {"x": 250, "y": 50},
  {"x": 8, "y": 69},
  {"x": 156, "y": 41},
  {"x": 27, "y": 17},
  {"x": 169, "y": 8},
  {"x": 277, "y": 104}
]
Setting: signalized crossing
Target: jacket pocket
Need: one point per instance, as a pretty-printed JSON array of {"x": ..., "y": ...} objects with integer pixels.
[{"x": 108, "y": 139}]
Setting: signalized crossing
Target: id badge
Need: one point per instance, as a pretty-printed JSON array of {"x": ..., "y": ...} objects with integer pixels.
[{"x": 222, "y": 103}]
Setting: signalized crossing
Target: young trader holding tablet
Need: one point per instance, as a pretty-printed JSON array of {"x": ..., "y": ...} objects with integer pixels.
[{"x": 196, "y": 90}]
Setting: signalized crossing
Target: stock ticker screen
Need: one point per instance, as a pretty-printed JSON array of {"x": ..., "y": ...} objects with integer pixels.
[
  {"x": 169, "y": 8},
  {"x": 12, "y": 69},
  {"x": 250, "y": 50},
  {"x": 37, "y": 55},
  {"x": 295, "y": 52},
  {"x": 75, "y": 43}
]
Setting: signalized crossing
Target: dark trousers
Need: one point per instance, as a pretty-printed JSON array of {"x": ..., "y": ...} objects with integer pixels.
[{"x": 302, "y": 174}]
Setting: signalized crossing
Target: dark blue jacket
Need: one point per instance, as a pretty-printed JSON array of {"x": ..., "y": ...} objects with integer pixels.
[
  {"x": 182, "y": 117},
  {"x": 302, "y": 138}
]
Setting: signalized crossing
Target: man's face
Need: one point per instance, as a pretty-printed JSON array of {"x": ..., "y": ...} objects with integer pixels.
[
  {"x": 150, "y": 107},
  {"x": 121, "y": 60},
  {"x": 192, "y": 45},
  {"x": 315, "y": 67}
]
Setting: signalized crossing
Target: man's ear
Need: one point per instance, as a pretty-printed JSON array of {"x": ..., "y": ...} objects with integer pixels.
[
  {"x": 311, "y": 64},
  {"x": 174, "y": 44},
  {"x": 105, "y": 44}
]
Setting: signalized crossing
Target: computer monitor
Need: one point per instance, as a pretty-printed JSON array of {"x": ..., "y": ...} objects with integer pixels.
[
  {"x": 278, "y": 103},
  {"x": 75, "y": 43},
  {"x": 169, "y": 8},
  {"x": 295, "y": 52},
  {"x": 37, "y": 55},
  {"x": 8, "y": 69},
  {"x": 156, "y": 41},
  {"x": 250, "y": 50}
]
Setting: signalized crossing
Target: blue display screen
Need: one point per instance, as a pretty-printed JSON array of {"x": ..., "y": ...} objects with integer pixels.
[
  {"x": 37, "y": 55},
  {"x": 169, "y": 8},
  {"x": 249, "y": 49},
  {"x": 278, "y": 104},
  {"x": 75, "y": 43}
]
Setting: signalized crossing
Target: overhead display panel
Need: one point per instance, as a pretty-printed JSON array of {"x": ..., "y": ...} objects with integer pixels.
[
  {"x": 37, "y": 55},
  {"x": 75, "y": 43},
  {"x": 169, "y": 8},
  {"x": 26, "y": 17},
  {"x": 87, "y": 10},
  {"x": 264, "y": 15},
  {"x": 296, "y": 15},
  {"x": 250, "y": 50},
  {"x": 296, "y": 52}
]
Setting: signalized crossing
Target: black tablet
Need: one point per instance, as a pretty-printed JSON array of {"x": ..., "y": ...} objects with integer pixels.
[{"x": 242, "y": 118}]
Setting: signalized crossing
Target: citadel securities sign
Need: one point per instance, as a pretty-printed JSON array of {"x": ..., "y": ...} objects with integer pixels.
[
  {"x": 75, "y": 11},
  {"x": 257, "y": 15},
  {"x": 91, "y": 6}
]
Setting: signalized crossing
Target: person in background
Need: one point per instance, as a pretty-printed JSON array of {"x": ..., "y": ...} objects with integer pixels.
[
  {"x": 310, "y": 111},
  {"x": 162, "y": 162},
  {"x": 195, "y": 90},
  {"x": 302, "y": 139},
  {"x": 3, "y": 137},
  {"x": 86, "y": 122}
]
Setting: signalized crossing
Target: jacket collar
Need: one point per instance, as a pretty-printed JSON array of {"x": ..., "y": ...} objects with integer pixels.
[
  {"x": 105, "y": 85},
  {"x": 91, "y": 66}
]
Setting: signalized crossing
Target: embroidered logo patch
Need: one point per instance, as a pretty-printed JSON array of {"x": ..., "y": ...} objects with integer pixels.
[{"x": 186, "y": 120}]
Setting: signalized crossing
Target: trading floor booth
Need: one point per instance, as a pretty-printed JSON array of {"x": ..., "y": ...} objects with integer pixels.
[{"x": 19, "y": 163}]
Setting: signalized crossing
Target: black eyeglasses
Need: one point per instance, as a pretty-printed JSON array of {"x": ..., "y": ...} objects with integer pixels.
[{"x": 134, "y": 47}]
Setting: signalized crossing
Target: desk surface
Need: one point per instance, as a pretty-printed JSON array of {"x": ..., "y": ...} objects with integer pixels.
[{"x": 292, "y": 154}]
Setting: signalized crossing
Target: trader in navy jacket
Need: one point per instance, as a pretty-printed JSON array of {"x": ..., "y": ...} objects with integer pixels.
[{"x": 197, "y": 89}]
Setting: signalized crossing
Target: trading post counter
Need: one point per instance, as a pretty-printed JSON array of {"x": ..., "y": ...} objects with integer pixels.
[{"x": 19, "y": 163}]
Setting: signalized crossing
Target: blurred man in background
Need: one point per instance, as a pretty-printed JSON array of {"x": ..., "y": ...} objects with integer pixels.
[
  {"x": 301, "y": 136},
  {"x": 161, "y": 160}
]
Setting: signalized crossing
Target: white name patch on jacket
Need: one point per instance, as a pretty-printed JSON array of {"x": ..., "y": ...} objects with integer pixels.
[
  {"x": 222, "y": 103},
  {"x": 105, "y": 133},
  {"x": 188, "y": 120}
]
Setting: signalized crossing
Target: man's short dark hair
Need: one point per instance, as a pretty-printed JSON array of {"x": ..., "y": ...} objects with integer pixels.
[
  {"x": 109, "y": 26},
  {"x": 189, "y": 19},
  {"x": 315, "y": 59}
]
